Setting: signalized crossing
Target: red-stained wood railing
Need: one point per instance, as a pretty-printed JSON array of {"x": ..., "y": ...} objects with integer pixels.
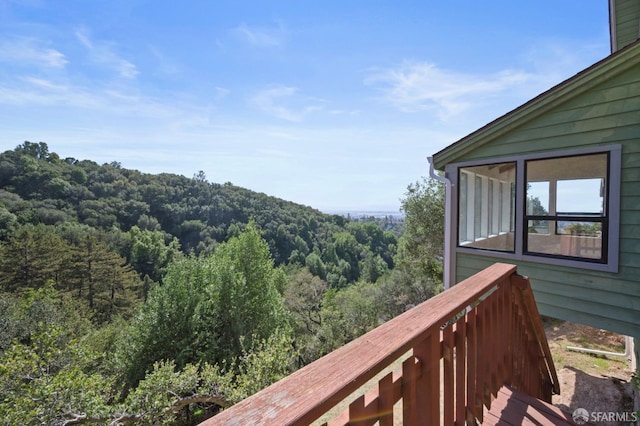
[{"x": 456, "y": 350}]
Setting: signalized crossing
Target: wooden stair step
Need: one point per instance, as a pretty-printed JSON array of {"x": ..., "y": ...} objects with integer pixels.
[{"x": 512, "y": 407}]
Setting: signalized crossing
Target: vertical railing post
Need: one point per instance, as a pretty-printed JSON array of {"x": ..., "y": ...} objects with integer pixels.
[
  {"x": 460, "y": 361},
  {"x": 448, "y": 344},
  {"x": 472, "y": 350},
  {"x": 481, "y": 356},
  {"x": 385, "y": 388},
  {"x": 411, "y": 369}
]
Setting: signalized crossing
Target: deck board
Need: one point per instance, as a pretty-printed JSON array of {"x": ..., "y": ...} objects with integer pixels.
[{"x": 518, "y": 409}]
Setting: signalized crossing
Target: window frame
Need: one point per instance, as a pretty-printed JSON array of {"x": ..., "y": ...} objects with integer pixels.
[
  {"x": 612, "y": 209},
  {"x": 556, "y": 216}
]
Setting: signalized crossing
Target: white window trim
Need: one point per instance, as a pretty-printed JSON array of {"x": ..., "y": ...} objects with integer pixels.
[{"x": 613, "y": 237}]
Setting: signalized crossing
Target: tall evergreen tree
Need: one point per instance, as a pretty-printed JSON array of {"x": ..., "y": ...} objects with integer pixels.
[{"x": 32, "y": 256}]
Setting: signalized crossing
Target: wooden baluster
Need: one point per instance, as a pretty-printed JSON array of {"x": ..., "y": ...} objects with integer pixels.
[
  {"x": 509, "y": 333},
  {"x": 411, "y": 370},
  {"x": 460, "y": 360},
  {"x": 357, "y": 412},
  {"x": 448, "y": 344},
  {"x": 386, "y": 400},
  {"x": 493, "y": 348},
  {"x": 428, "y": 389},
  {"x": 472, "y": 357},
  {"x": 503, "y": 336},
  {"x": 481, "y": 356},
  {"x": 421, "y": 383}
]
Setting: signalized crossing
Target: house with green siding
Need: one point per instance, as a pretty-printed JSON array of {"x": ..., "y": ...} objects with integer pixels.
[{"x": 554, "y": 187}]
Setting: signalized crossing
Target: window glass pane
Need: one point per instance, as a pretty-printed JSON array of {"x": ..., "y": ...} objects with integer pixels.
[
  {"x": 538, "y": 198},
  {"x": 581, "y": 196},
  {"x": 464, "y": 188},
  {"x": 486, "y": 205},
  {"x": 479, "y": 212},
  {"x": 561, "y": 189},
  {"x": 574, "y": 239}
]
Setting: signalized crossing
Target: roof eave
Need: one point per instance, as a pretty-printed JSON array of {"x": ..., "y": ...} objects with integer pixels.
[{"x": 599, "y": 72}]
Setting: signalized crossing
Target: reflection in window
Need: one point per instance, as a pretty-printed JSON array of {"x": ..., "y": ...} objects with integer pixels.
[
  {"x": 568, "y": 218},
  {"x": 589, "y": 191},
  {"x": 486, "y": 206}
]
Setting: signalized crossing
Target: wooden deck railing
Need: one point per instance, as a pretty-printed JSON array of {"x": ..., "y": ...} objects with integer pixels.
[{"x": 456, "y": 350}]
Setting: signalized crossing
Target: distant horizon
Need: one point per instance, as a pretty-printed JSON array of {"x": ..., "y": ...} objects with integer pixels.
[{"x": 365, "y": 213}]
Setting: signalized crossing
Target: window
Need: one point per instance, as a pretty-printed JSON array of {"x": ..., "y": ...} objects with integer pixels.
[
  {"x": 487, "y": 206},
  {"x": 562, "y": 209},
  {"x": 565, "y": 211}
]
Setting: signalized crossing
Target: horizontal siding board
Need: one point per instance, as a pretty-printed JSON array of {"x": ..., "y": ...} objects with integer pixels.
[
  {"x": 631, "y": 157},
  {"x": 612, "y": 313},
  {"x": 563, "y": 312},
  {"x": 629, "y": 220},
  {"x": 631, "y": 232},
  {"x": 616, "y": 70},
  {"x": 626, "y": 22},
  {"x": 626, "y": 8},
  {"x": 606, "y": 114},
  {"x": 620, "y": 306},
  {"x": 626, "y": 278},
  {"x": 630, "y": 175},
  {"x": 626, "y": 283},
  {"x": 618, "y": 100},
  {"x": 611, "y": 127},
  {"x": 630, "y": 245},
  {"x": 630, "y": 203},
  {"x": 612, "y": 304},
  {"x": 631, "y": 190},
  {"x": 629, "y": 266},
  {"x": 549, "y": 143}
]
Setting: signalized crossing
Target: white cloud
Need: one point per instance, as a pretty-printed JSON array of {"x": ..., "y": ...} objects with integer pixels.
[
  {"x": 221, "y": 92},
  {"x": 165, "y": 64},
  {"x": 261, "y": 37},
  {"x": 34, "y": 92},
  {"x": 104, "y": 53},
  {"x": 555, "y": 61},
  {"x": 282, "y": 102},
  {"x": 31, "y": 51},
  {"x": 44, "y": 84},
  {"x": 420, "y": 86}
]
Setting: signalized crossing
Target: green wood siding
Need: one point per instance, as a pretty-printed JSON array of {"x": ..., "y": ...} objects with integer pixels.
[
  {"x": 607, "y": 114},
  {"x": 627, "y": 14},
  {"x": 586, "y": 297}
]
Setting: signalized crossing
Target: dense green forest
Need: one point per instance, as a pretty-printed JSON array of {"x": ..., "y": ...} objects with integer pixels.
[{"x": 131, "y": 298}]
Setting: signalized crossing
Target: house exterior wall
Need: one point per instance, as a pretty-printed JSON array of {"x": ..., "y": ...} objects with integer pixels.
[
  {"x": 607, "y": 114},
  {"x": 627, "y": 25}
]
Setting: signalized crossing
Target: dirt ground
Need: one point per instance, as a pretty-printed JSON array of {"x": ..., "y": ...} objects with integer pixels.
[{"x": 596, "y": 383}]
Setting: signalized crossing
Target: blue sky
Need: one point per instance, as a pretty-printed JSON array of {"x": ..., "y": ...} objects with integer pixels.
[{"x": 332, "y": 104}]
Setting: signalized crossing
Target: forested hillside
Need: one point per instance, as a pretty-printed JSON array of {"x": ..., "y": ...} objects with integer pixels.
[{"x": 130, "y": 298}]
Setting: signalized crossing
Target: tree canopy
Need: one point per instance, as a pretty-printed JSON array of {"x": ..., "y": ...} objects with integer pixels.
[
  {"x": 148, "y": 219},
  {"x": 130, "y": 298}
]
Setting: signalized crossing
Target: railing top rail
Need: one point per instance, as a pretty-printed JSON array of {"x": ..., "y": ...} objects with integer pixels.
[{"x": 303, "y": 396}]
